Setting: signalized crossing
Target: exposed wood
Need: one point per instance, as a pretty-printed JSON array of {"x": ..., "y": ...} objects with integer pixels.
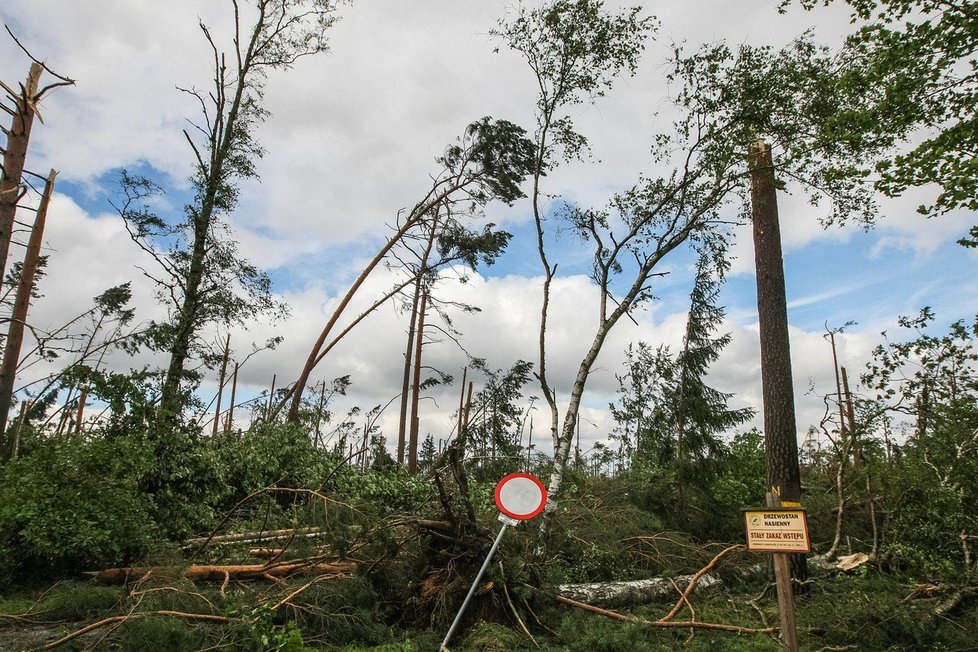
[
  {"x": 14, "y": 157},
  {"x": 684, "y": 597},
  {"x": 234, "y": 392},
  {"x": 248, "y": 537},
  {"x": 851, "y": 413},
  {"x": 220, "y": 385}
]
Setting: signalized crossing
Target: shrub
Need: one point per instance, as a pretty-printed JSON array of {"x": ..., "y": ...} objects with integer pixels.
[{"x": 75, "y": 505}]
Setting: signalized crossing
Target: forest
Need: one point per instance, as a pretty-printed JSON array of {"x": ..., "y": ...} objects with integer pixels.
[{"x": 158, "y": 493}]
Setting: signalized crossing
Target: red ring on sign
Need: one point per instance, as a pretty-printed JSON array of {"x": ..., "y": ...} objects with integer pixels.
[{"x": 526, "y": 516}]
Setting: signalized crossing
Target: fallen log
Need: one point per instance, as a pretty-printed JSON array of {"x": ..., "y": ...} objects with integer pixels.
[
  {"x": 617, "y": 594},
  {"x": 256, "y": 537},
  {"x": 675, "y": 624},
  {"x": 224, "y": 573}
]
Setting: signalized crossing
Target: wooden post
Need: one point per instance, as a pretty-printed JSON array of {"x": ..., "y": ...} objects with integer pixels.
[
  {"x": 18, "y": 321},
  {"x": 786, "y": 598}
]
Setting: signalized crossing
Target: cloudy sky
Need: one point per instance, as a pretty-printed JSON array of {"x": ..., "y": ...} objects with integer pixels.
[{"x": 351, "y": 140}]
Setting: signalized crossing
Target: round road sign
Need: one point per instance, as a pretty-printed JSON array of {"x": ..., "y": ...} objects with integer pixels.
[{"x": 521, "y": 496}]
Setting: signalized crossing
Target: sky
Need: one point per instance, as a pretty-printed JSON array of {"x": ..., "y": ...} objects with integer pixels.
[{"x": 351, "y": 140}]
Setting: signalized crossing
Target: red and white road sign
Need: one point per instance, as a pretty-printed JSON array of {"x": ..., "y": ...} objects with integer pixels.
[{"x": 521, "y": 496}]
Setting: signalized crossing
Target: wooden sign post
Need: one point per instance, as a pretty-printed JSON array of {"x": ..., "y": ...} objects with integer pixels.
[{"x": 780, "y": 531}]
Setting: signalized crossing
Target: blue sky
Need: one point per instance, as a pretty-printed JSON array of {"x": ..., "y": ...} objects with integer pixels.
[{"x": 351, "y": 140}]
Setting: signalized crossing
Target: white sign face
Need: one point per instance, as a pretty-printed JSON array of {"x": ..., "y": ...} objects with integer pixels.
[
  {"x": 777, "y": 530},
  {"x": 520, "y": 496}
]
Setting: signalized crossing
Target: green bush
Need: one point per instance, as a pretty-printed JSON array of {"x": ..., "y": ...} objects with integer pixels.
[{"x": 75, "y": 505}]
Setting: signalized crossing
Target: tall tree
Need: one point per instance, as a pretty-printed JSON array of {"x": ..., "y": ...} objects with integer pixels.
[
  {"x": 204, "y": 278},
  {"x": 575, "y": 51},
  {"x": 666, "y": 412},
  {"x": 701, "y": 412}
]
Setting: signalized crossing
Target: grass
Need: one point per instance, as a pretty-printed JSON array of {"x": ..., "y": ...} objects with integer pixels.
[{"x": 868, "y": 611}]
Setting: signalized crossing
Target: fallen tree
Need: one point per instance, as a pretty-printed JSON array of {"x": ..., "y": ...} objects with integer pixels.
[{"x": 202, "y": 572}]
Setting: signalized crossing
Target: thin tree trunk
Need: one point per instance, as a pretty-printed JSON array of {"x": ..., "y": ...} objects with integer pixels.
[
  {"x": 780, "y": 432},
  {"x": 15, "y": 334},
  {"x": 14, "y": 157},
  {"x": 82, "y": 398},
  {"x": 402, "y": 423},
  {"x": 851, "y": 412},
  {"x": 220, "y": 385},
  {"x": 416, "y": 388},
  {"x": 234, "y": 391}
]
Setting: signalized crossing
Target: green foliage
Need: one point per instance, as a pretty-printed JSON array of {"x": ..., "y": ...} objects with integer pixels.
[
  {"x": 912, "y": 73},
  {"x": 490, "y": 637},
  {"x": 76, "y": 505},
  {"x": 668, "y": 415},
  {"x": 269, "y": 454},
  {"x": 734, "y": 96},
  {"x": 576, "y": 50},
  {"x": 160, "y": 634}
]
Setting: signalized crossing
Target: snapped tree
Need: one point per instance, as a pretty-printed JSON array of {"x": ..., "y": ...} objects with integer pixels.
[
  {"x": 489, "y": 163},
  {"x": 202, "y": 279}
]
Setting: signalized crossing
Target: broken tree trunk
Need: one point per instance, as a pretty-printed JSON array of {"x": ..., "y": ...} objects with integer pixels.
[
  {"x": 14, "y": 156},
  {"x": 18, "y": 321},
  {"x": 618, "y": 594},
  {"x": 223, "y": 573}
]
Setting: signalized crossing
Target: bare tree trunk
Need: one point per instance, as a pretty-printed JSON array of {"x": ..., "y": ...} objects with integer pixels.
[
  {"x": 15, "y": 334},
  {"x": 14, "y": 157},
  {"x": 851, "y": 412},
  {"x": 82, "y": 398},
  {"x": 416, "y": 389},
  {"x": 234, "y": 391},
  {"x": 780, "y": 431},
  {"x": 402, "y": 425},
  {"x": 220, "y": 385}
]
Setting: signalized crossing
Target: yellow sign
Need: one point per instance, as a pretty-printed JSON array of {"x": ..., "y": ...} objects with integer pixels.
[{"x": 777, "y": 530}]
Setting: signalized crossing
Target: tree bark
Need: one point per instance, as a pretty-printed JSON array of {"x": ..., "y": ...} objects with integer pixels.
[
  {"x": 416, "y": 387},
  {"x": 15, "y": 334},
  {"x": 780, "y": 431},
  {"x": 14, "y": 157}
]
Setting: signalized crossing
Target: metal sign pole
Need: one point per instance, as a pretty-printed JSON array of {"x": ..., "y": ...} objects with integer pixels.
[{"x": 465, "y": 603}]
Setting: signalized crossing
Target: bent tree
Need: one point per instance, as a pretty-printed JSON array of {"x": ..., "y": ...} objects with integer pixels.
[
  {"x": 203, "y": 280},
  {"x": 489, "y": 162}
]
